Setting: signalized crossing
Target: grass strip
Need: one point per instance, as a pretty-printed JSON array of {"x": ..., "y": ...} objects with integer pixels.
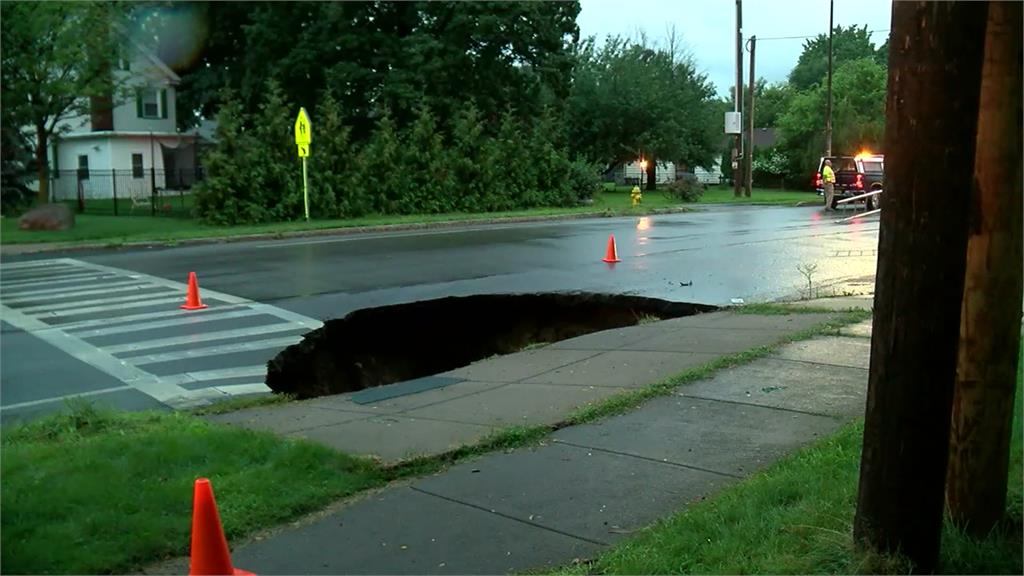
[
  {"x": 91, "y": 491},
  {"x": 796, "y": 517}
]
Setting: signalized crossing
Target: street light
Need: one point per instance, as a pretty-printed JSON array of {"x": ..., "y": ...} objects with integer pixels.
[{"x": 643, "y": 170}]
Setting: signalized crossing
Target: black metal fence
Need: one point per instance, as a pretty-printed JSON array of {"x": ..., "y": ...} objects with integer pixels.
[{"x": 127, "y": 192}]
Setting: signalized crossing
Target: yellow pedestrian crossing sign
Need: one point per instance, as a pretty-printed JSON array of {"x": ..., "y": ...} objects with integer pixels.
[
  {"x": 303, "y": 130},
  {"x": 303, "y": 137}
]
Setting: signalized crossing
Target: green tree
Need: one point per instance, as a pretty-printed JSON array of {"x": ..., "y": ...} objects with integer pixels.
[
  {"x": 851, "y": 43},
  {"x": 399, "y": 55},
  {"x": 425, "y": 160},
  {"x": 473, "y": 159},
  {"x": 770, "y": 101},
  {"x": 274, "y": 165},
  {"x": 516, "y": 182},
  {"x": 222, "y": 195},
  {"x": 382, "y": 174},
  {"x": 56, "y": 56},
  {"x": 334, "y": 168},
  {"x": 629, "y": 100},
  {"x": 253, "y": 174},
  {"x": 858, "y": 116}
]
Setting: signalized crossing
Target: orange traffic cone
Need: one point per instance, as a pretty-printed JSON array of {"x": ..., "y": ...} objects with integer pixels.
[
  {"x": 611, "y": 255},
  {"x": 192, "y": 300},
  {"x": 210, "y": 555}
]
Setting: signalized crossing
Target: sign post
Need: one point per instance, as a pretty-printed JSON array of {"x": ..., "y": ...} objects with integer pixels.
[{"x": 303, "y": 138}]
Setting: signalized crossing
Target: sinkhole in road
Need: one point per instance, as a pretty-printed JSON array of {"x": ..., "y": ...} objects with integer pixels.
[{"x": 379, "y": 346}]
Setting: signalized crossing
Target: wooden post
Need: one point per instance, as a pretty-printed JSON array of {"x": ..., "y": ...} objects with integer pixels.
[
  {"x": 748, "y": 173},
  {"x": 828, "y": 104},
  {"x": 738, "y": 156},
  {"x": 113, "y": 188},
  {"x": 935, "y": 62},
  {"x": 991, "y": 316}
]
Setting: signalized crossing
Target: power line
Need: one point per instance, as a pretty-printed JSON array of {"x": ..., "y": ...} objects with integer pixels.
[{"x": 760, "y": 39}]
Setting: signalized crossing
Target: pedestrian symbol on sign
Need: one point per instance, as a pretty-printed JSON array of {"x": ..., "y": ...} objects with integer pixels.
[{"x": 303, "y": 137}]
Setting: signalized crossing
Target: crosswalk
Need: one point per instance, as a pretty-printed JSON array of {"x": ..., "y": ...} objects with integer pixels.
[{"x": 129, "y": 325}]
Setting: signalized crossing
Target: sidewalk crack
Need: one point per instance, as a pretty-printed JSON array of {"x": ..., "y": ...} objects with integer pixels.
[
  {"x": 510, "y": 517},
  {"x": 751, "y": 404},
  {"x": 648, "y": 459}
]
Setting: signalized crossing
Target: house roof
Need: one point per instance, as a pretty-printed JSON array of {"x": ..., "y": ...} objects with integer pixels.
[
  {"x": 764, "y": 137},
  {"x": 159, "y": 64}
]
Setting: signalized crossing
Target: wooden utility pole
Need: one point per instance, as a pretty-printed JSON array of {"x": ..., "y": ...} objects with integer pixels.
[
  {"x": 991, "y": 317},
  {"x": 919, "y": 284},
  {"x": 748, "y": 175},
  {"x": 737, "y": 151},
  {"x": 828, "y": 105}
]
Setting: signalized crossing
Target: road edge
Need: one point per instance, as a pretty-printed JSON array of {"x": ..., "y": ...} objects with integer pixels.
[{"x": 45, "y": 247}]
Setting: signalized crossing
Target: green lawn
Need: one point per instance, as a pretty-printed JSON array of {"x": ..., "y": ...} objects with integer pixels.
[
  {"x": 724, "y": 195},
  {"x": 94, "y": 492},
  {"x": 796, "y": 518},
  {"x": 99, "y": 225},
  {"x": 106, "y": 228}
]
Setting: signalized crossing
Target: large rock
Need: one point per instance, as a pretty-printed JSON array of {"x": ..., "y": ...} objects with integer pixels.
[{"x": 48, "y": 217}]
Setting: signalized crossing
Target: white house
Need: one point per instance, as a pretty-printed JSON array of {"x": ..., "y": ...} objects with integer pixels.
[
  {"x": 665, "y": 172},
  {"x": 128, "y": 144}
]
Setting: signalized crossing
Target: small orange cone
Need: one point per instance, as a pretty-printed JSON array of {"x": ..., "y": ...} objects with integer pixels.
[
  {"x": 210, "y": 555},
  {"x": 192, "y": 300},
  {"x": 611, "y": 255}
]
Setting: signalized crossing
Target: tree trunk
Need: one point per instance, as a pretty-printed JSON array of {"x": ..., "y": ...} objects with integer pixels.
[
  {"x": 991, "y": 316},
  {"x": 42, "y": 165},
  {"x": 931, "y": 119},
  {"x": 652, "y": 174}
]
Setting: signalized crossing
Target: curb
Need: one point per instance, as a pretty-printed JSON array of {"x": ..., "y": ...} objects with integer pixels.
[{"x": 37, "y": 248}]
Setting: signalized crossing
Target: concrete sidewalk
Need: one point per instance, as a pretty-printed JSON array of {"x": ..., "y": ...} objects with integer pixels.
[
  {"x": 536, "y": 387},
  {"x": 587, "y": 486}
]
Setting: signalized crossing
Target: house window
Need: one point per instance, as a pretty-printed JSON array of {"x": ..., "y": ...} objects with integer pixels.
[
  {"x": 83, "y": 167},
  {"x": 150, "y": 104},
  {"x": 137, "y": 169}
]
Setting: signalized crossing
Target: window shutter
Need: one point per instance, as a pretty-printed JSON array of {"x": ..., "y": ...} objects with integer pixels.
[
  {"x": 163, "y": 104},
  {"x": 138, "y": 102}
]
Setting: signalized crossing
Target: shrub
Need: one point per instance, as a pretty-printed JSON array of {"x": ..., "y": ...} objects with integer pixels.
[
  {"x": 685, "y": 189},
  {"x": 584, "y": 180}
]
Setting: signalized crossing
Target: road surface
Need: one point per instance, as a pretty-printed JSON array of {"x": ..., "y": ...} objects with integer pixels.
[{"x": 106, "y": 324}]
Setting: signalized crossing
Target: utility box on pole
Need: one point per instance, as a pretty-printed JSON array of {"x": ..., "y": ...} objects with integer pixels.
[{"x": 733, "y": 122}]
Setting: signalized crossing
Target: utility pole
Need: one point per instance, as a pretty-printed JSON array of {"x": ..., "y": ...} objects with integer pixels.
[
  {"x": 749, "y": 174},
  {"x": 828, "y": 112},
  {"x": 983, "y": 403},
  {"x": 918, "y": 296},
  {"x": 737, "y": 151}
]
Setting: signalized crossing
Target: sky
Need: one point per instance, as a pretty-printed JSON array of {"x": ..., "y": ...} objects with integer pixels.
[{"x": 708, "y": 28}]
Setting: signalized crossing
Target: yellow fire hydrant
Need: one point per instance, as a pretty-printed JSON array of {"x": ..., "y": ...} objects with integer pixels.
[{"x": 636, "y": 196}]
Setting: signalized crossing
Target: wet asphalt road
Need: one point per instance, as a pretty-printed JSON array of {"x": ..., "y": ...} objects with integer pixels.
[
  {"x": 748, "y": 252},
  {"x": 710, "y": 256}
]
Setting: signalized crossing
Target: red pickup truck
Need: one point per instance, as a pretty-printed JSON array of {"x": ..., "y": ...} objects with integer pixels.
[{"x": 855, "y": 175}]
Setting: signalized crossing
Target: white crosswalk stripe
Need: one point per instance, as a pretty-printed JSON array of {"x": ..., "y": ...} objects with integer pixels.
[
  {"x": 108, "y": 288},
  {"x": 140, "y": 326},
  {"x": 68, "y": 303},
  {"x": 113, "y": 300},
  {"x": 279, "y": 343}
]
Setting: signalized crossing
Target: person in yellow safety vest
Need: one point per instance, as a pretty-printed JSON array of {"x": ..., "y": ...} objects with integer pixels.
[{"x": 828, "y": 177}]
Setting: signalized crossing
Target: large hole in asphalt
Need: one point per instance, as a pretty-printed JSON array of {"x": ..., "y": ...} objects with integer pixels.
[{"x": 378, "y": 346}]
